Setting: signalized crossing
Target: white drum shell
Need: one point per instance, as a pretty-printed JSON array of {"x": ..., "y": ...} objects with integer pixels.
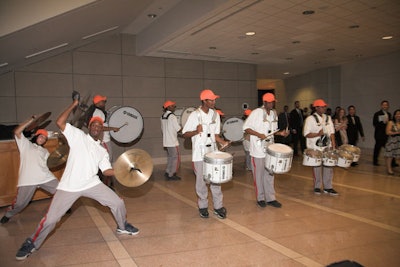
[
  {"x": 312, "y": 158},
  {"x": 354, "y": 150},
  {"x": 344, "y": 159},
  {"x": 232, "y": 129},
  {"x": 278, "y": 158},
  {"x": 329, "y": 159},
  {"x": 217, "y": 167},
  {"x": 185, "y": 115},
  {"x": 130, "y": 122}
]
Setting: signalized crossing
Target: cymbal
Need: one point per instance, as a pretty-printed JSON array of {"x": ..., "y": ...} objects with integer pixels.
[
  {"x": 133, "y": 167},
  {"x": 42, "y": 126},
  {"x": 58, "y": 157},
  {"x": 37, "y": 121}
]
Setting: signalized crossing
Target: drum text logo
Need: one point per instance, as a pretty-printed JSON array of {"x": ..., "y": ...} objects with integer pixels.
[{"x": 130, "y": 114}]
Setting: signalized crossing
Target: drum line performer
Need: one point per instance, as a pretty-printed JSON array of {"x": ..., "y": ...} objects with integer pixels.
[
  {"x": 80, "y": 179},
  {"x": 203, "y": 127},
  {"x": 319, "y": 132},
  {"x": 262, "y": 124},
  {"x": 33, "y": 170},
  {"x": 170, "y": 129}
]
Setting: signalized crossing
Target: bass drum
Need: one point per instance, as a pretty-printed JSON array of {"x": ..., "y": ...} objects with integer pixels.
[
  {"x": 232, "y": 129},
  {"x": 185, "y": 115},
  {"x": 128, "y": 120},
  {"x": 178, "y": 114}
]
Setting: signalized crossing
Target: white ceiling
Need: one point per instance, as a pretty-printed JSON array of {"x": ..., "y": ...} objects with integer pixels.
[{"x": 285, "y": 40}]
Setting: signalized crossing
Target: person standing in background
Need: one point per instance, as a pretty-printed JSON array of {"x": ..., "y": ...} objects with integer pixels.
[
  {"x": 340, "y": 123},
  {"x": 297, "y": 122},
  {"x": 379, "y": 121},
  {"x": 170, "y": 128},
  {"x": 284, "y": 124},
  {"x": 392, "y": 147},
  {"x": 354, "y": 128},
  {"x": 246, "y": 142}
]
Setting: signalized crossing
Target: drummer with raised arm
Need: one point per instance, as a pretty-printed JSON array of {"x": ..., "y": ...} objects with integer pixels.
[
  {"x": 170, "y": 128},
  {"x": 33, "y": 171},
  {"x": 319, "y": 132},
  {"x": 262, "y": 125},
  {"x": 203, "y": 127}
]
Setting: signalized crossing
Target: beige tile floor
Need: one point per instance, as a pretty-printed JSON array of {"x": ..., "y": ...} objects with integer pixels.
[{"x": 361, "y": 224}]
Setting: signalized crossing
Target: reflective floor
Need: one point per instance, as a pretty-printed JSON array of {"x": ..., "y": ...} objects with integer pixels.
[{"x": 361, "y": 224}]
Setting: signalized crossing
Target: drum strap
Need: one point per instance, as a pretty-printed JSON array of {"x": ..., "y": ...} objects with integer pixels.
[
  {"x": 214, "y": 117},
  {"x": 166, "y": 118},
  {"x": 326, "y": 119},
  {"x": 275, "y": 119}
]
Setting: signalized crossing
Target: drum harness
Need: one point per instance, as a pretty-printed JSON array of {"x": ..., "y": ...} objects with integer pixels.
[
  {"x": 265, "y": 119},
  {"x": 209, "y": 142},
  {"x": 323, "y": 140}
]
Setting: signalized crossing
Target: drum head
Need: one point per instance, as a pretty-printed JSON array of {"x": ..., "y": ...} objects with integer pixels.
[
  {"x": 185, "y": 115},
  {"x": 232, "y": 129},
  {"x": 130, "y": 122},
  {"x": 178, "y": 114}
]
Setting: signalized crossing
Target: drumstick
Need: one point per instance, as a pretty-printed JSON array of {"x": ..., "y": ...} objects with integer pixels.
[
  {"x": 274, "y": 132},
  {"x": 126, "y": 123}
]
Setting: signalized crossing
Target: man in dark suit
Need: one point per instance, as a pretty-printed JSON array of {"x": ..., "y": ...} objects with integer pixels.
[
  {"x": 296, "y": 123},
  {"x": 354, "y": 128},
  {"x": 379, "y": 121},
  {"x": 284, "y": 123}
]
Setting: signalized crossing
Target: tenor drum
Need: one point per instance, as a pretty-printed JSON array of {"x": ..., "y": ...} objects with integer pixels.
[
  {"x": 355, "y": 151},
  {"x": 344, "y": 159},
  {"x": 330, "y": 158},
  {"x": 232, "y": 129},
  {"x": 312, "y": 157},
  {"x": 217, "y": 167},
  {"x": 185, "y": 115},
  {"x": 130, "y": 122},
  {"x": 278, "y": 158}
]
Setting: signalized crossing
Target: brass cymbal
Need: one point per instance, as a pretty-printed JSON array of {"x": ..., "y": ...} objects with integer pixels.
[
  {"x": 133, "y": 167},
  {"x": 58, "y": 157},
  {"x": 37, "y": 121}
]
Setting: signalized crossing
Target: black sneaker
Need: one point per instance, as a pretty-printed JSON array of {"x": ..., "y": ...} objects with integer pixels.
[
  {"x": 317, "y": 191},
  {"x": 262, "y": 203},
  {"x": 26, "y": 249},
  {"x": 274, "y": 203},
  {"x": 331, "y": 192},
  {"x": 129, "y": 229},
  {"x": 221, "y": 213},
  {"x": 203, "y": 213},
  {"x": 4, "y": 219}
]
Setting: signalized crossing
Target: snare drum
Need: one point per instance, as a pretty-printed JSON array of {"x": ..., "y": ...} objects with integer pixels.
[
  {"x": 232, "y": 129},
  {"x": 312, "y": 157},
  {"x": 278, "y": 158},
  {"x": 217, "y": 167},
  {"x": 185, "y": 115},
  {"x": 130, "y": 122},
  {"x": 330, "y": 158},
  {"x": 344, "y": 159},
  {"x": 355, "y": 151}
]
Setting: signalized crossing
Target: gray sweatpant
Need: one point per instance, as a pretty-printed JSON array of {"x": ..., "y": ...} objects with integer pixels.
[
  {"x": 172, "y": 160},
  {"x": 25, "y": 194},
  {"x": 323, "y": 176},
  {"x": 63, "y": 200},
  {"x": 202, "y": 190},
  {"x": 263, "y": 180}
]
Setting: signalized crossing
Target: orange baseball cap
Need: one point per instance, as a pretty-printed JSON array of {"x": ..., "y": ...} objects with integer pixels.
[
  {"x": 269, "y": 97},
  {"x": 247, "y": 112},
  {"x": 42, "y": 132},
  {"x": 208, "y": 94},
  {"x": 96, "y": 118},
  {"x": 220, "y": 112},
  {"x": 168, "y": 103},
  {"x": 319, "y": 103},
  {"x": 98, "y": 98}
]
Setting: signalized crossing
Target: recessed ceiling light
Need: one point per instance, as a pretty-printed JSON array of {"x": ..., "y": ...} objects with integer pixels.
[
  {"x": 255, "y": 53},
  {"x": 358, "y": 55},
  {"x": 100, "y": 32},
  {"x": 286, "y": 73},
  {"x": 331, "y": 49},
  {"x": 250, "y": 33},
  {"x": 152, "y": 15},
  {"x": 212, "y": 47},
  {"x": 3, "y": 64},
  {"x": 46, "y": 50},
  {"x": 295, "y": 42},
  {"x": 387, "y": 37},
  {"x": 308, "y": 12},
  {"x": 354, "y": 26}
]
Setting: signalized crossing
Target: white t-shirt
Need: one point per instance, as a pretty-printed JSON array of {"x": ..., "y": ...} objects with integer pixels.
[
  {"x": 260, "y": 121},
  {"x": 203, "y": 142},
  {"x": 312, "y": 126},
  {"x": 106, "y": 134},
  {"x": 33, "y": 168},
  {"x": 86, "y": 157},
  {"x": 170, "y": 128}
]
